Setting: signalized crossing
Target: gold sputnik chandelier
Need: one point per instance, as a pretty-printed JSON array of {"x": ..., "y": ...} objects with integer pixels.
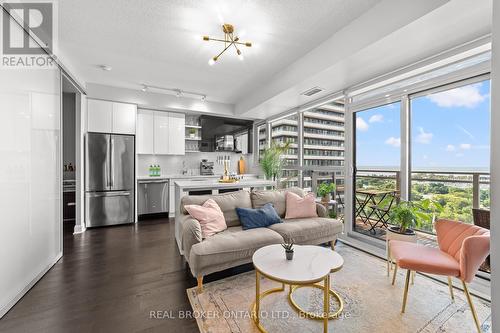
[{"x": 229, "y": 40}]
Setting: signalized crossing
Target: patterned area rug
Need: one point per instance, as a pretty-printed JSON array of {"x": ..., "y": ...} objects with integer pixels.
[{"x": 371, "y": 303}]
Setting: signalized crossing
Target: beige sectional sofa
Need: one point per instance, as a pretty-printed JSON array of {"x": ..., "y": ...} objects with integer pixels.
[{"x": 235, "y": 246}]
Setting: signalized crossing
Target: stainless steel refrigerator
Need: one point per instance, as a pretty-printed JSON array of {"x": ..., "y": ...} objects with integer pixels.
[{"x": 109, "y": 179}]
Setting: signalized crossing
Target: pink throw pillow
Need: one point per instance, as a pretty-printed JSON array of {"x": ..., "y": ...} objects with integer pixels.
[
  {"x": 297, "y": 207},
  {"x": 210, "y": 217}
]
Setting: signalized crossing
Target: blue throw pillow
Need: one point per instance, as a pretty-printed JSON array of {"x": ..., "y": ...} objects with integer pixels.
[{"x": 258, "y": 218}]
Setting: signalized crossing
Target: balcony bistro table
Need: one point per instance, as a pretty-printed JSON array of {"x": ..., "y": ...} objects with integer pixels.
[
  {"x": 370, "y": 197},
  {"x": 309, "y": 266}
]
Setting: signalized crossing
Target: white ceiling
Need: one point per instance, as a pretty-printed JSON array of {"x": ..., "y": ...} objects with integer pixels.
[
  {"x": 159, "y": 42},
  {"x": 298, "y": 44}
]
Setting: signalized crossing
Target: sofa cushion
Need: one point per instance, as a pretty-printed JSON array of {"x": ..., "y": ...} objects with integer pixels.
[
  {"x": 300, "y": 207},
  {"x": 210, "y": 217},
  {"x": 225, "y": 248},
  {"x": 226, "y": 201},
  {"x": 308, "y": 230},
  {"x": 259, "y": 217},
  {"x": 276, "y": 197}
]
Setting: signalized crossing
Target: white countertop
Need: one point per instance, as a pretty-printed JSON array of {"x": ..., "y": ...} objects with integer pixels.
[
  {"x": 214, "y": 184},
  {"x": 180, "y": 176}
]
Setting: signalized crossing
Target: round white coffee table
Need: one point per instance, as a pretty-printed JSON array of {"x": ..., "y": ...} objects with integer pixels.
[{"x": 310, "y": 265}]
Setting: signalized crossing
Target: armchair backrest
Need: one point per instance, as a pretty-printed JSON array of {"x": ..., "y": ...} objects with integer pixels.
[{"x": 467, "y": 243}]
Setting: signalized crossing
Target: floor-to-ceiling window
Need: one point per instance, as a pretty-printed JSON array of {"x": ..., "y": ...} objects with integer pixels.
[
  {"x": 377, "y": 164},
  {"x": 450, "y": 154}
]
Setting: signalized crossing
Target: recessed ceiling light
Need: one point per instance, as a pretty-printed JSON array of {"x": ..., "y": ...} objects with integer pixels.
[{"x": 105, "y": 68}]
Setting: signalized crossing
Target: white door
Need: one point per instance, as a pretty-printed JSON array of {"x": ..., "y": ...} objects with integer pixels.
[
  {"x": 124, "y": 116},
  {"x": 99, "y": 116},
  {"x": 177, "y": 132},
  {"x": 145, "y": 130},
  {"x": 161, "y": 135}
]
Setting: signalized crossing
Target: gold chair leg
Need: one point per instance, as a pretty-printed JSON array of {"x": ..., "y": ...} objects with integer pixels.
[
  {"x": 332, "y": 245},
  {"x": 413, "y": 277},
  {"x": 471, "y": 304},
  {"x": 450, "y": 285},
  {"x": 200, "y": 284},
  {"x": 394, "y": 275},
  {"x": 326, "y": 303},
  {"x": 405, "y": 295}
]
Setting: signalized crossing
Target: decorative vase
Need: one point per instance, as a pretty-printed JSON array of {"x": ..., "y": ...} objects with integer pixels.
[
  {"x": 191, "y": 135},
  {"x": 289, "y": 255}
]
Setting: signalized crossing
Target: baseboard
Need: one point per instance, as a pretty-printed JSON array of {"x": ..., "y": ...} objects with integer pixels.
[{"x": 30, "y": 285}]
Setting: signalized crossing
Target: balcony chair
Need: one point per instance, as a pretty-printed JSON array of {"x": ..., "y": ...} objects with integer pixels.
[
  {"x": 462, "y": 249},
  {"x": 482, "y": 219}
]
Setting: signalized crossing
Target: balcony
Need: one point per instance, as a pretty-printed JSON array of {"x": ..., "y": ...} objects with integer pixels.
[{"x": 459, "y": 192}]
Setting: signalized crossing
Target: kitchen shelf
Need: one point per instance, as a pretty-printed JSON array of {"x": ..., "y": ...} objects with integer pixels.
[
  {"x": 193, "y": 126},
  {"x": 193, "y": 151},
  {"x": 193, "y": 139}
]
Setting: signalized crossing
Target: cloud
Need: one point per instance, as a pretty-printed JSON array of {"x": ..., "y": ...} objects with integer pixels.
[
  {"x": 469, "y": 134},
  {"x": 450, "y": 148},
  {"x": 467, "y": 96},
  {"x": 423, "y": 136},
  {"x": 361, "y": 124},
  {"x": 376, "y": 118},
  {"x": 395, "y": 142},
  {"x": 465, "y": 146}
]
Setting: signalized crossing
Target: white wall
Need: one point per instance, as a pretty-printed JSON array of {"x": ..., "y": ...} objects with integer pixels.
[
  {"x": 30, "y": 179},
  {"x": 495, "y": 170}
]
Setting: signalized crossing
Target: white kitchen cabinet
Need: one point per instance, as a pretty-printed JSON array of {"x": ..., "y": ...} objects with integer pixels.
[
  {"x": 177, "y": 132},
  {"x": 161, "y": 133},
  {"x": 99, "y": 116},
  {"x": 111, "y": 117},
  {"x": 124, "y": 117},
  {"x": 145, "y": 130}
]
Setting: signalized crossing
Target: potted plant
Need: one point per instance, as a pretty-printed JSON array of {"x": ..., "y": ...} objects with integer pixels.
[
  {"x": 192, "y": 132},
  {"x": 407, "y": 215},
  {"x": 324, "y": 191},
  {"x": 288, "y": 250},
  {"x": 272, "y": 161}
]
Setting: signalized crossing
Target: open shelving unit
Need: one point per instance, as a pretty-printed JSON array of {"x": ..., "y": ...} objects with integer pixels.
[{"x": 193, "y": 134}]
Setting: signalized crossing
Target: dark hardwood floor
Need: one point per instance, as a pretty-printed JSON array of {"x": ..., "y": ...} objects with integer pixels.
[{"x": 109, "y": 280}]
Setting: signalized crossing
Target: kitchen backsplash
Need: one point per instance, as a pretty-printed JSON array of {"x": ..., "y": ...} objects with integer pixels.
[{"x": 174, "y": 164}]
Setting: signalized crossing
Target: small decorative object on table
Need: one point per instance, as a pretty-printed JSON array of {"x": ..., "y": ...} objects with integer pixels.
[
  {"x": 324, "y": 191},
  {"x": 288, "y": 250}
]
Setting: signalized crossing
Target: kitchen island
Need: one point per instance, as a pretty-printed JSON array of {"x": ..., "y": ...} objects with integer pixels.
[{"x": 209, "y": 186}]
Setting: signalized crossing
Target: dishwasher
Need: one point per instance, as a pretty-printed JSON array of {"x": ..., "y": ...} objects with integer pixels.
[{"x": 153, "y": 197}]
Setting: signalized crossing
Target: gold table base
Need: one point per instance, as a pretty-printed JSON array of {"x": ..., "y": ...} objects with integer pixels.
[
  {"x": 255, "y": 308},
  {"x": 312, "y": 315}
]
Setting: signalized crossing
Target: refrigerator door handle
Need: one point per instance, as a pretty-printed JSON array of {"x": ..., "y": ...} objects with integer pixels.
[
  {"x": 108, "y": 194},
  {"x": 112, "y": 142}
]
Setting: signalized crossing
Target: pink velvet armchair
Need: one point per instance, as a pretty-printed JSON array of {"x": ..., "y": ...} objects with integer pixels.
[{"x": 462, "y": 249}]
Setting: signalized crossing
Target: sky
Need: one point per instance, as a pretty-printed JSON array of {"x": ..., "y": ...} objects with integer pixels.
[{"x": 449, "y": 129}]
